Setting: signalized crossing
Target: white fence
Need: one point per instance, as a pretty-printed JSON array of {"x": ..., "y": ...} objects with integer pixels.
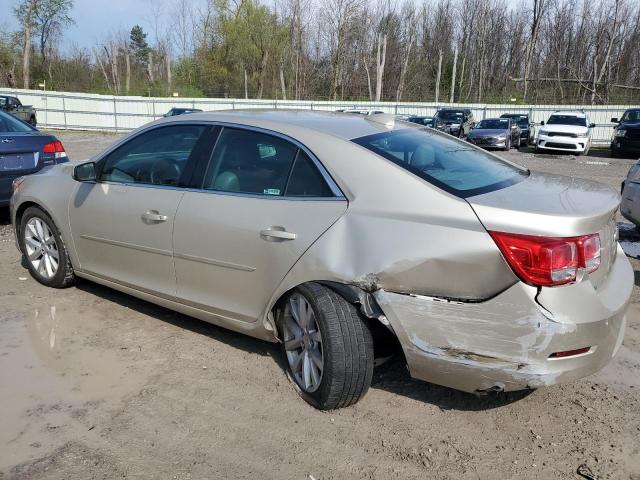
[{"x": 80, "y": 111}]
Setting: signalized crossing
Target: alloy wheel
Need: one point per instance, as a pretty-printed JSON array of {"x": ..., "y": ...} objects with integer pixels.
[
  {"x": 41, "y": 248},
  {"x": 303, "y": 343}
]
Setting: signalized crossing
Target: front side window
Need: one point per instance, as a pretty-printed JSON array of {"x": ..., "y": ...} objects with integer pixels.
[
  {"x": 245, "y": 161},
  {"x": 156, "y": 157},
  {"x": 447, "y": 163},
  {"x": 567, "y": 120}
]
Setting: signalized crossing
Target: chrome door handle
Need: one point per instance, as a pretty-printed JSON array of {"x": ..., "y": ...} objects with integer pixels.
[
  {"x": 154, "y": 216},
  {"x": 277, "y": 233}
]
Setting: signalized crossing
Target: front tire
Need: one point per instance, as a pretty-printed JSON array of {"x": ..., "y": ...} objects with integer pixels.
[
  {"x": 327, "y": 347},
  {"x": 45, "y": 254}
]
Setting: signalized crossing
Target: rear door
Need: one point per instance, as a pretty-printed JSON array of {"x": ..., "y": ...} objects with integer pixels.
[
  {"x": 122, "y": 225},
  {"x": 261, "y": 203}
]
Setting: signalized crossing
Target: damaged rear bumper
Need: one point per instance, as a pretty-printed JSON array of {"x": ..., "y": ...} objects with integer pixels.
[{"x": 505, "y": 343}]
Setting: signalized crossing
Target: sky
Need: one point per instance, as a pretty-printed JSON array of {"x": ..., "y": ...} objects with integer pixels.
[{"x": 97, "y": 19}]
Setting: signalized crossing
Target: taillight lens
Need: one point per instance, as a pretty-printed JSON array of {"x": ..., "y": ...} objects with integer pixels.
[
  {"x": 548, "y": 261},
  {"x": 55, "y": 148}
]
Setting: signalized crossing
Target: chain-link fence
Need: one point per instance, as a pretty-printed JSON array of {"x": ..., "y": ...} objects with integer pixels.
[{"x": 79, "y": 111}]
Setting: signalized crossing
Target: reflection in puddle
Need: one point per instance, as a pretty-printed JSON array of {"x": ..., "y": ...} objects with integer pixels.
[{"x": 50, "y": 366}]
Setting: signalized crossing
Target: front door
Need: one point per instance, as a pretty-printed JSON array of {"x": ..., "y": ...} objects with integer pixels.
[
  {"x": 263, "y": 202},
  {"x": 122, "y": 225}
]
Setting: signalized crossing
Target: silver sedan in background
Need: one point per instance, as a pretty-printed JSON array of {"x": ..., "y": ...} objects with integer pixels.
[{"x": 338, "y": 235}]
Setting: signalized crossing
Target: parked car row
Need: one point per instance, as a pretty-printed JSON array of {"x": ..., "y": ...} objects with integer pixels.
[{"x": 564, "y": 131}]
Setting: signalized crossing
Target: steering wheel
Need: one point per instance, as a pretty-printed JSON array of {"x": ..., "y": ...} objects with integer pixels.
[{"x": 165, "y": 172}]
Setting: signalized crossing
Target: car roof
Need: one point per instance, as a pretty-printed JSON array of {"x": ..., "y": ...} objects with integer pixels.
[{"x": 342, "y": 125}]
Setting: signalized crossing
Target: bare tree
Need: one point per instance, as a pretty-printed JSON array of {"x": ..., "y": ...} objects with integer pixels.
[{"x": 25, "y": 12}]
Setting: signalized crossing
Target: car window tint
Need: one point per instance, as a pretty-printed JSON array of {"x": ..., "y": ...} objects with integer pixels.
[
  {"x": 443, "y": 161},
  {"x": 245, "y": 161},
  {"x": 306, "y": 180},
  {"x": 157, "y": 157}
]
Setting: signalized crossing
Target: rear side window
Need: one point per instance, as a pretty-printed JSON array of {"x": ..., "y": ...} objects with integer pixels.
[
  {"x": 447, "y": 163},
  {"x": 306, "y": 180},
  {"x": 250, "y": 162}
]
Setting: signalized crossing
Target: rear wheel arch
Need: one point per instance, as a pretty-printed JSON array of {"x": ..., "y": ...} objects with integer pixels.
[
  {"x": 385, "y": 340},
  {"x": 327, "y": 346}
]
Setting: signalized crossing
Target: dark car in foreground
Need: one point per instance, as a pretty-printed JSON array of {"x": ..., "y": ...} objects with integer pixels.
[
  {"x": 24, "y": 150},
  {"x": 527, "y": 130},
  {"x": 500, "y": 133},
  {"x": 626, "y": 134},
  {"x": 14, "y": 106},
  {"x": 455, "y": 121},
  {"x": 181, "y": 111}
]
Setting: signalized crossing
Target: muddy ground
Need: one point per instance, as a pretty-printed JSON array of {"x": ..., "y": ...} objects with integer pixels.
[{"x": 95, "y": 384}]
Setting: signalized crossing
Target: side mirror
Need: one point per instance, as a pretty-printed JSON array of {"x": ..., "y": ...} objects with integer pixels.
[
  {"x": 592, "y": 125},
  {"x": 85, "y": 172},
  {"x": 614, "y": 120},
  {"x": 542, "y": 122}
]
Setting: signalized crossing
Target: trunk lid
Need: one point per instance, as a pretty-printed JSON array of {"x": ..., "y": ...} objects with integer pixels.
[
  {"x": 554, "y": 206},
  {"x": 22, "y": 152}
]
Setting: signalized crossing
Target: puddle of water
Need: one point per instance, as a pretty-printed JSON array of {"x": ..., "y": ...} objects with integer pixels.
[{"x": 48, "y": 368}]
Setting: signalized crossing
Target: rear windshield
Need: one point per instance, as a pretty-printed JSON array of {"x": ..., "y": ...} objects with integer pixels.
[
  {"x": 10, "y": 124},
  {"x": 447, "y": 163},
  {"x": 494, "y": 123},
  {"x": 567, "y": 120}
]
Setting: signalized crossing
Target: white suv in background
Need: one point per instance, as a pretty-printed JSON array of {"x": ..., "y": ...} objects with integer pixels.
[{"x": 566, "y": 132}]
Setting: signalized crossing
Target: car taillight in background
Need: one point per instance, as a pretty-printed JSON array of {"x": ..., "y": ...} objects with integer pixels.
[
  {"x": 56, "y": 148},
  {"x": 549, "y": 261}
]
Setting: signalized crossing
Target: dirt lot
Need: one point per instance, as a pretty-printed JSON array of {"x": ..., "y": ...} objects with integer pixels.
[{"x": 95, "y": 384}]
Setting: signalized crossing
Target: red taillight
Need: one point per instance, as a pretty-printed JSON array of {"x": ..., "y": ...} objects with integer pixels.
[
  {"x": 53, "y": 147},
  {"x": 548, "y": 261}
]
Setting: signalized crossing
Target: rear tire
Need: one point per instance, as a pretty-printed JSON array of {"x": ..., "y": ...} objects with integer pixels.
[
  {"x": 44, "y": 251},
  {"x": 337, "y": 369}
]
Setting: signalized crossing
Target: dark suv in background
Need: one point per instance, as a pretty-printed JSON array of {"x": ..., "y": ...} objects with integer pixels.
[
  {"x": 527, "y": 133},
  {"x": 455, "y": 121},
  {"x": 626, "y": 134}
]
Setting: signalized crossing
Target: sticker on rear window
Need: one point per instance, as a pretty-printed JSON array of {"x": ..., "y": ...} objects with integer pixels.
[{"x": 272, "y": 191}]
